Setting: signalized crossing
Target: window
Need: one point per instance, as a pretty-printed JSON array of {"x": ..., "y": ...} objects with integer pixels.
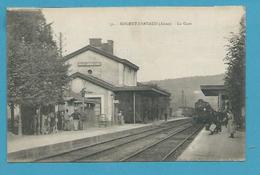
[{"x": 89, "y": 71}]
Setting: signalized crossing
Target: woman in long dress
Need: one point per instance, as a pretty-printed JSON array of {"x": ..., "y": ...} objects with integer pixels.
[{"x": 231, "y": 124}]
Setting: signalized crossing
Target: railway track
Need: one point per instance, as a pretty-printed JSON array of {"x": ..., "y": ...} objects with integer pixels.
[
  {"x": 164, "y": 149},
  {"x": 92, "y": 151},
  {"x": 144, "y": 149},
  {"x": 119, "y": 152}
]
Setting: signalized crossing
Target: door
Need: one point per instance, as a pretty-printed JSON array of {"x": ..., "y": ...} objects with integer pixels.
[{"x": 94, "y": 110}]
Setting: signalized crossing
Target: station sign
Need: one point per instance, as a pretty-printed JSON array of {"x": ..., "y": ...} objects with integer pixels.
[
  {"x": 87, "y": 64},
  {"x": 116, "y": 101}
]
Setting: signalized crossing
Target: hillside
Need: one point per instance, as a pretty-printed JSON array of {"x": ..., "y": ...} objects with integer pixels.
[{"x": 191, "y": 88}]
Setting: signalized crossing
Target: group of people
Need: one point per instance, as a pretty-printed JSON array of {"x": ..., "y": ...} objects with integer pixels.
[
  {"x": 71, "y": 122},
  {"x": 217, "y": 119},
  {"x": 49, "y": 123},
  {"x": 52, "y": 122}
]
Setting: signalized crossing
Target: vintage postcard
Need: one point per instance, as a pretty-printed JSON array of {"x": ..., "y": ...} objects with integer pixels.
[{"x": 126, "y": 84}]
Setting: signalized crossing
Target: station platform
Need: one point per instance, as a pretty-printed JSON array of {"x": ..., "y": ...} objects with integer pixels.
[
  {"x": 29, "y": 148},
  {"x": 216, "y": 147}
]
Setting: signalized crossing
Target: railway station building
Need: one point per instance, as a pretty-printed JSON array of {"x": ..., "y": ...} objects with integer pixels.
[
  {"x": 104, "y": 87},
  {"x": 110, "y": 87}
]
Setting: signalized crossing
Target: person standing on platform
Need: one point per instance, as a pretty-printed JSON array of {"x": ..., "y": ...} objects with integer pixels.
[
  {"x": 52, "y": 122},
  {"x": 44, "y": 124},
  {"x": 76, "y": 118},
  {"x": 71, "y": 125},
  {"x": 218, "y": 122},
  {"x": 165, "y": 117},
  {"x": 55, "y": 127},
  {"x": 66, "y": 120},
  {"x": 60, "y": 115},
  {"x": 231, "y": 124},
  {"x": 121, "y": 118},
  {"x": 83, "y": 120},
  {"x": 225, "y": 119}
]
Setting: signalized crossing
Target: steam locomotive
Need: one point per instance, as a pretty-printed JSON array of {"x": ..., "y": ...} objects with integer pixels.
[{"x": 203, "y": 112}]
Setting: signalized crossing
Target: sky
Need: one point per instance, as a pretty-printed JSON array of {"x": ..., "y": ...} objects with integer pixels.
[{"x": 165, "y": 42}]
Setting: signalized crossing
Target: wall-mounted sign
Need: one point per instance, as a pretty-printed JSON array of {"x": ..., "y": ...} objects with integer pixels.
[
  {"x": 87, "y": 64},
  {"x": 116, "y": 101}
]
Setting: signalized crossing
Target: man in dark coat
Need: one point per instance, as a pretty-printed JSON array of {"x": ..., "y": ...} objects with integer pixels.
[{"x": 76, "y": 117}]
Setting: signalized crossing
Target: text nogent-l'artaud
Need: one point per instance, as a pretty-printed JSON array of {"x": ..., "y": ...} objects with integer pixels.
[{"x": 145, "y": 23}]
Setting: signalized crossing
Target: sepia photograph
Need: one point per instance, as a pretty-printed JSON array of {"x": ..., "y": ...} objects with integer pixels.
[{"x": 126, "y": 84}]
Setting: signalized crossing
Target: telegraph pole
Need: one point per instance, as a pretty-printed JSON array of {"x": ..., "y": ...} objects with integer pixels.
[
  {"x": 185, "y": 101},
  {"x": 83, "y": 93},
  {"x": 182, "y": 98}
]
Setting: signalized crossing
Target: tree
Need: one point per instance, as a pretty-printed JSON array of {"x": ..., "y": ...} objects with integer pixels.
[
  {"x": 235, "y": 74},
  {"x": 36, "y": 72}
]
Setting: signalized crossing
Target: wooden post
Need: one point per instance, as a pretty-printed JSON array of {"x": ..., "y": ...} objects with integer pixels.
[
  {"x": 219, "y": 102},
  {"x": 134, "y": 105},
  {"x": 113, "y": 112},
  {"x": 83, "y": 107}
]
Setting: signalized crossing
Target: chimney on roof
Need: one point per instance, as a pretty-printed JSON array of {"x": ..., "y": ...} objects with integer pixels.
[
  {"x": 97, "y": 43},
  {"x": 110, "y": 46}
]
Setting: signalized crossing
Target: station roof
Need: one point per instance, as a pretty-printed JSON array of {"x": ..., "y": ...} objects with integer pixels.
[
  {"x": 93, "y": 80},
  {"x": 106, "y": 85},
  {"x": 143, "y": 89},
  {"x": 212, "y": 90},
  {"x": 103, "y": 53}
]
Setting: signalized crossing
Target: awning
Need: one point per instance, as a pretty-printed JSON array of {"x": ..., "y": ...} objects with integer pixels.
[
  {"x": 144, "y": 89},
  {"x": 212, "y": 90}
]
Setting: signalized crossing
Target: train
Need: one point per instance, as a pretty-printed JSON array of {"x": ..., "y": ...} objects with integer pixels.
[{"x": 203, "y": 112}]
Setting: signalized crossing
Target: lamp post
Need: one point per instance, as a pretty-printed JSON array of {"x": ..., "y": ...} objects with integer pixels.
[
  {"x": 83, "y": 93},
  {"x": 112, "y": 116}
]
